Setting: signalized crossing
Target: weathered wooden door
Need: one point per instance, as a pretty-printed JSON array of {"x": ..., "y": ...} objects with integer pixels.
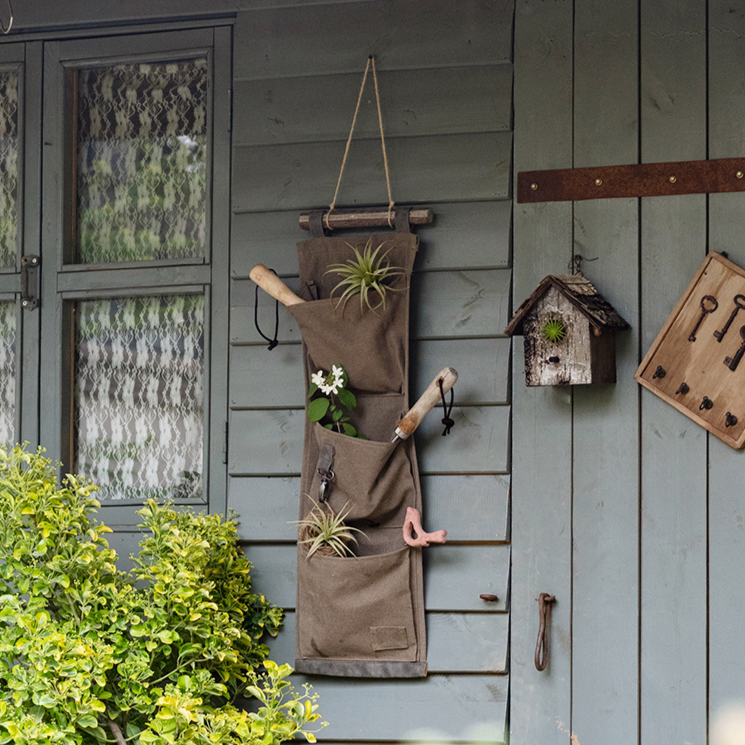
[
  {"x": 134, "y": 274},
  {"x": 20, "y": 98}
]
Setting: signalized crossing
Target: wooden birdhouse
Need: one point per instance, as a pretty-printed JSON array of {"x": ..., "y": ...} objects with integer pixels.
[{"x": 569, "y": 331}]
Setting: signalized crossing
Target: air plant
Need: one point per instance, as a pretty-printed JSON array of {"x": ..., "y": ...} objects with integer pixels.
[
  {"x": 553, "y": 330},
  {"x": 368, "y": 271},
  {"x": 325, "y": 531}
]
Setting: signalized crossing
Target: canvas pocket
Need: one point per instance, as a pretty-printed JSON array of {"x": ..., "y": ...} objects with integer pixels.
[
  {"x": 374, "y": 479},
  {"x": 361, "y": 341},
  {"x": 356, "y": 608}
]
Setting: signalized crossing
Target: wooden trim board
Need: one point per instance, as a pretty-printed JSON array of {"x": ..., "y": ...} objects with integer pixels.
[{"x": 701, "y": 363}]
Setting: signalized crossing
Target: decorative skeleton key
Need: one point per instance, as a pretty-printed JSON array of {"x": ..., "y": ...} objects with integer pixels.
[
  {"x": 712, "y": 301},
  {"x": 733, "y": 362},
  {"x": 739, "y": 303}
]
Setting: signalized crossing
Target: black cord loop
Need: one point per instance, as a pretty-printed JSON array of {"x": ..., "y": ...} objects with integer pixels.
[
  {"x": 447, "y": 410},
  {"x": 272, "y": 342}
]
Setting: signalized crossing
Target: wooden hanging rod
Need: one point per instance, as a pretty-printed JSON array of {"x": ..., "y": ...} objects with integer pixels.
[
  {"x": 366, "y": 218},
  {"x": 640, "y": 180}
]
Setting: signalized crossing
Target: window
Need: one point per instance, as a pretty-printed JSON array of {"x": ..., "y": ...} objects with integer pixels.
[{"x": 133, "y": 260}]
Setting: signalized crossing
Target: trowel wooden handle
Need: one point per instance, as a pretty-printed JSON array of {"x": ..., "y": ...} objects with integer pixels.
[
  {"x": 271, "y": 283},
  {"x": 426, "y": 403}
]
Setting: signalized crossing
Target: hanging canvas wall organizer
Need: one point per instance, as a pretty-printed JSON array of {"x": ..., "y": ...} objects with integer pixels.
[
  {"x": 360, "y": 614},
  {"x": 695, "y": 363}
]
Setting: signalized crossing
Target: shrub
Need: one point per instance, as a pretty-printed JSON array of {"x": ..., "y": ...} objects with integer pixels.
[{"x": 89, "y": 654}]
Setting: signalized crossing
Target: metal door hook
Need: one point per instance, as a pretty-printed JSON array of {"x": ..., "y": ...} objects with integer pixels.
[{"x": 544, "y": 614}]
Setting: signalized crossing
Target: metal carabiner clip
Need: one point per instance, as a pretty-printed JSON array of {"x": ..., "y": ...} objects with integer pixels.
[{"x": 327, "y": 476}]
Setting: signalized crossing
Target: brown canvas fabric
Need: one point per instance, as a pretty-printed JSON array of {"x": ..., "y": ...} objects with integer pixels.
[{"x": 362, "y": 615}]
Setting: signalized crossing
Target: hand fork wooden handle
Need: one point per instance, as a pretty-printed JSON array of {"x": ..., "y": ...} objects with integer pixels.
[
  {"x": 272, "y": 284},
  {"x": 425, "y": 404}
]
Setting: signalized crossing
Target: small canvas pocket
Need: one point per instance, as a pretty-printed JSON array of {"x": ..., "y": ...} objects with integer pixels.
[
  {"x": 362, "y": 341},
  {"x": 374, "y": 478},
  {"x": 356, "y": 608}
]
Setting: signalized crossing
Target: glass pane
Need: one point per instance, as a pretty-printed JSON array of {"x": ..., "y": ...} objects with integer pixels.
[
  {"x": 141, "y": 162},
  {"x": 139, "y": 395},
  {"x": 7, "y": 373},
  {"x": 8, "y": 168}
]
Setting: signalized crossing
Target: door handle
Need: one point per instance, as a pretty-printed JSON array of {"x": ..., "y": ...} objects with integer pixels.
[
  {"x": 545, "y": 601},
  {"x": 30, "y": 282}
]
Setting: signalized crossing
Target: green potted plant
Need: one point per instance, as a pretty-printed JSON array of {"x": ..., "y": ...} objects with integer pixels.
[{"x": 90, "y": 654}]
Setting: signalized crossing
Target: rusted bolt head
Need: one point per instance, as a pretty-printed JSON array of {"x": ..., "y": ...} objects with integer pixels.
[{"x": 490, "y": 598}]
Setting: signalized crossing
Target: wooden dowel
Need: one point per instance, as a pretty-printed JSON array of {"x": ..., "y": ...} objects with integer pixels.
[
  {"x": 367, "y": 218},
  {"x": 272, "y": 284},
  {"x": 426, "y": 402}
]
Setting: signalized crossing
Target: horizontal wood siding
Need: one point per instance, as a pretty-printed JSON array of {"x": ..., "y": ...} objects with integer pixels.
[{"x": 445, "y": 77}]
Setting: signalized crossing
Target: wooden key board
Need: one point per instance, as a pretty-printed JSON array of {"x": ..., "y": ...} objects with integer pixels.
[{"x": 697, "y": 361}]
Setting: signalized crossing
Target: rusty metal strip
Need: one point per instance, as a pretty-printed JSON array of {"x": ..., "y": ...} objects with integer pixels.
[{"x": 640, "y": 180}]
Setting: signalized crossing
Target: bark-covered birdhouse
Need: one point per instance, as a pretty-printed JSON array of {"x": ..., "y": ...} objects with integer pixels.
[{"x": 569, "y": 330}]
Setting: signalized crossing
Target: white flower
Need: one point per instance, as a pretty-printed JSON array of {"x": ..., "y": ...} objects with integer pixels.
[
  {"x": 326, "y": 389},
  {"x": 337, "y": 371},
  {"x": 318, "y": 378}
]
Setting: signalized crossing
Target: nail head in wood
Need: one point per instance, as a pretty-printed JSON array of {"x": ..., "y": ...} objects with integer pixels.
[
  {"x": 673, "y": 179},
  {"x": 534, "y": 186},
  {"x": 598, "y": 182},
  {"x": 740, "y": 174}
]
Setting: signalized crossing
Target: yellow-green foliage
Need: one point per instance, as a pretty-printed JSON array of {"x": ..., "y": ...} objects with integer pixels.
[{"x": 89, "y": 654}]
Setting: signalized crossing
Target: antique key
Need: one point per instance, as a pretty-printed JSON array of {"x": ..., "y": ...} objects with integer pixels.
[
  {"x": 739, "y": 303},
  {"x": 733, "y": 362},
  {"x": 712, "y": 301}
]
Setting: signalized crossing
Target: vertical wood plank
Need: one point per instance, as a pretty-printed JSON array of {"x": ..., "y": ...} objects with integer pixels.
[
  {"x": 540, "y": 701},
  {"x": 220, "y": 290},
  {"x": 30, "y": 321},
  {"x": 726, "y": 506},
  {"x": 673, "y": 528},
  {"x": 605, "y": 514}
]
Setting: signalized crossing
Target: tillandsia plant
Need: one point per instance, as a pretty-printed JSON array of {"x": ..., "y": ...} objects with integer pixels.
[
  {"x": 368, "y": 272},
  {"x": 334, "y": 400},
  {"x": 326, "y": 532},
  {"x": 553, "y": 330},
  {"x": 90, "y": 655}
]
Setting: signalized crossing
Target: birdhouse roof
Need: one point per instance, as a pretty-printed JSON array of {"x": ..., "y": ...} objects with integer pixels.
[{"x": 581, "y": 294}]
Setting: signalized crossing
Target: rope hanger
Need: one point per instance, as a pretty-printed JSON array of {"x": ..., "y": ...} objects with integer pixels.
[
  {"x": 391, "y": 203},
  {"x": 315, "y": 221}
]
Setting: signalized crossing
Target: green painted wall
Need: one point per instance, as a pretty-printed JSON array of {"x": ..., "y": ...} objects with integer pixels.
[
  {"x": 638, "y": 533},
  {"x": 446, "y": 86}
]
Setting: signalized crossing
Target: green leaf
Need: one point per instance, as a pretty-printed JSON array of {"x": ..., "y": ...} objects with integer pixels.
[
  {"x": 349, "y": 430},
  {"x": 347, "y": 399},
  {"x": 88, "y": 721},
  {"x": 337, "y": 415},
  {"x": 312, "y": 390},
  {"x": 317, "y": 409}
]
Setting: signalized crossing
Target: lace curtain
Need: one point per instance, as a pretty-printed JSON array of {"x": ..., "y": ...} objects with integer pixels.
[
  {"x": 7, "y": 374},
  {"x": 8, "y": 168},
  {"x": 142, "y": 162},
  {"x": 139, "y": 405}
]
